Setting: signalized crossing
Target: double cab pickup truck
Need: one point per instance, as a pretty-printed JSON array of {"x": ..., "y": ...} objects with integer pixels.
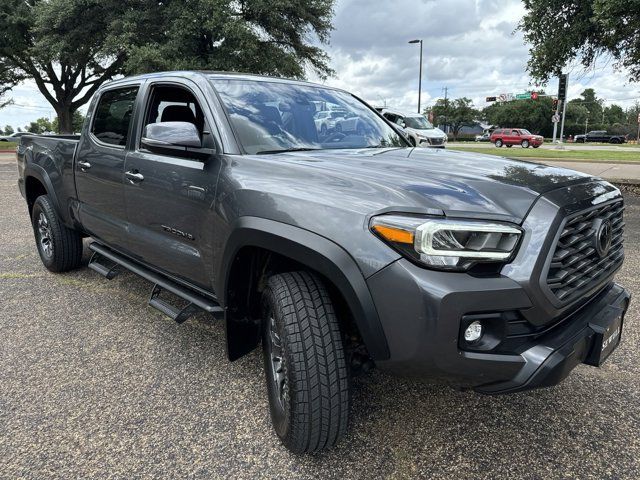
[
  {"x": 336, "y": 251},
  {"x": 600, "y": 136}
]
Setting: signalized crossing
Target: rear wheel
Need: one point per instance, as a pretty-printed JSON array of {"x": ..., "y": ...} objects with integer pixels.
[
  {"x": 60, "y": 248},
  {"x": 525, "y": 143},
  {"x": 305, "y": 366},
  {"x": 498, "y": 143}
]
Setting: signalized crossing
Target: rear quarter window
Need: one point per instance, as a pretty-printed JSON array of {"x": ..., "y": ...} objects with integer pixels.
[{"x": 113, "y": 114}]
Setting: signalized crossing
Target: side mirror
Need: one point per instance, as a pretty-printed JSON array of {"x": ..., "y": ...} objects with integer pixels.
[{"x": 171, "y": 134}]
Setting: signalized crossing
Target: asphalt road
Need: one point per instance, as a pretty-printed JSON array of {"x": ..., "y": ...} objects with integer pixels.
[{"x": 96, "y": 384}]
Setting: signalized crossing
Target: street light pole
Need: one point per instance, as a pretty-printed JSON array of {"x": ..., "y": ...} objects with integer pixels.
[{"x": 420, "y": 77}]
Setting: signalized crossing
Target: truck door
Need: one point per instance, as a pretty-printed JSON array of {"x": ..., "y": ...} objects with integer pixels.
[
  {"x": 169, "y": 193},
  {"x": 99, "y": 165}
]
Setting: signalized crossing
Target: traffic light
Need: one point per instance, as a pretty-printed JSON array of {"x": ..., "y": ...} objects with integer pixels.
[
  {"x": 555, "y": 104},
  {"x": 562, "y": 86}
]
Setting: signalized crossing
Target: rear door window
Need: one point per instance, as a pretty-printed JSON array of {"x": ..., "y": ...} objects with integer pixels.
[{"x": 112, "y": 116}]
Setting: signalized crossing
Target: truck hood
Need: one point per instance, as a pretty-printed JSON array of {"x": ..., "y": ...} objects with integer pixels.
[{"x": 455, "y": 183}]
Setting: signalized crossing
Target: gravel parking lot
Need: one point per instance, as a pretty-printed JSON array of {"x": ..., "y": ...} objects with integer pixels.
[{"x": 94, "y": 383}]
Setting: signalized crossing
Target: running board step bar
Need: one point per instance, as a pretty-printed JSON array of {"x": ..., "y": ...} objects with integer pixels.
[
  {"x": 97, "y": 264},
  {"x": 180, "y": 315},
  {"x": 195, "y": 300}
]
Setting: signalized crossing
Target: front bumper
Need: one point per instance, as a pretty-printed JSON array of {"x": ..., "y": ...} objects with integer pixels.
[
  {"x": 423, "y": 329},
  {"x": 437, "y": 142}
]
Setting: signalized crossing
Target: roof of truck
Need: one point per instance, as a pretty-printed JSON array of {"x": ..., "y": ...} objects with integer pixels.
[{"x": 212, "y": 74}]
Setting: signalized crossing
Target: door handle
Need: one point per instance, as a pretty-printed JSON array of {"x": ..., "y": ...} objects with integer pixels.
[
  {"x": 134, "y": 176},
  {"x": 84, "y": 165}
]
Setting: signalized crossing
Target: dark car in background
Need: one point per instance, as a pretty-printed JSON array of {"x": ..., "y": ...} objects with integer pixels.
[{"x": 600, "y": 136}]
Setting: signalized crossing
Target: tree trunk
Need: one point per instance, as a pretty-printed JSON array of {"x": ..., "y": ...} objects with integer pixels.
[{"x": 65, "y": 120}]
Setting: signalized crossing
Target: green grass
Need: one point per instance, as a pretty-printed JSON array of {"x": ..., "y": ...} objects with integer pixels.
[
  {"x": 11, "y": 146},
  {"x": 554, "y": 154}
]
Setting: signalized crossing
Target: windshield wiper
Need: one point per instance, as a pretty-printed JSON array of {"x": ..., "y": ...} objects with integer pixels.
[{"x": 285, "y": 150}]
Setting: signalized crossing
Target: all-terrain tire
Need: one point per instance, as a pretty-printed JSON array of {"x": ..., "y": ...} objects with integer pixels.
[
  {"x": 309, "y": 392},
  {"x": 60, "y": 248}
]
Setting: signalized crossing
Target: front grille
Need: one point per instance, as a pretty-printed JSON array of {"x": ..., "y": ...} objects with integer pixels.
[
  {"x": 576, "y": 265},
  {"x": 436, "y": 141}
]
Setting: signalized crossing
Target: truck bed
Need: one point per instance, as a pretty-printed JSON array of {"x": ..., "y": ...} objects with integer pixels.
[{"x": 49, "y": 158}]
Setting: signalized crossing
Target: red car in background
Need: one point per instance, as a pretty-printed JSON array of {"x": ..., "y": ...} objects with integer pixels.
[{"x": 515, "y": 136}]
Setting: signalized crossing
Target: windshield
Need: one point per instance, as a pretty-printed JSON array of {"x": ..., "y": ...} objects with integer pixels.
[
  {"x": 525, "y": 132},
  {"x": 270, "y": 117},
  {"x": 419, "y": 123}
]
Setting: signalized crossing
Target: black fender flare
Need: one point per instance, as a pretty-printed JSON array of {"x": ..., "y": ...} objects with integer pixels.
[
  {"x": 39, "y": 173},
  {"x": 314, "y": 251}
]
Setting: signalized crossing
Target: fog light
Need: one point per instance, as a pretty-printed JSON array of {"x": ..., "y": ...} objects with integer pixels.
[{"x": 473, "y": 332}]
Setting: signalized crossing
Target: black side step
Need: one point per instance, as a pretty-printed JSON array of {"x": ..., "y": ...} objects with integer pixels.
[
  {"x": 180, "y": 315},
  {"x": 196, "y": 300},
  {"x": 97, "y": 264}
]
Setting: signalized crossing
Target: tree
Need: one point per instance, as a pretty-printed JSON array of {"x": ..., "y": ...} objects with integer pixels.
[
  {"x": 76, "y": 122},
  {"x": 8, "y": 80},
  {"x": 455, "y": 114},
  {"x": 41, "y": 125},
  {"x": 8, "y": 130},
  {"x": 614, "y": 114},
  {"x": 71, "y": 47},
  {"x": 592, "y": 103},
  {"x": 534, "y": 115},
  {"x": 560, "y": 31}
]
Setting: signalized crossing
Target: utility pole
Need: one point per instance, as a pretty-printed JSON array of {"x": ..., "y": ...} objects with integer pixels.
[
  {"x": 563, "y": 82},
  {"x": 446, "y": 91},
  {"x": 555, "y": 124},
  {"x": 420, "y": 75}
]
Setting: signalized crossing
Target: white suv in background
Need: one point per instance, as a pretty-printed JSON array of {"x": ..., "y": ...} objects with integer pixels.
[{"x": 420, "y": 131}]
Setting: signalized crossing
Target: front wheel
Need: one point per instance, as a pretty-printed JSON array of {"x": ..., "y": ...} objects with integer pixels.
[
  {"x": 525, "y": 143},
  {"x": 60, "y": 248},
  {"x": 305, "y": 366},
  {"x": 498, "y": 143}
]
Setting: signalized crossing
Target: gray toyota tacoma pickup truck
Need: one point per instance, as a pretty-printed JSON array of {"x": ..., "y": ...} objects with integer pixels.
[{"x": 338, "y": 251}]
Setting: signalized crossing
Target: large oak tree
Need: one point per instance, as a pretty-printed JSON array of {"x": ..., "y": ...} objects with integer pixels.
[
  {"x": 563, "y": 31},
  {"x": 71, "y": 47}
]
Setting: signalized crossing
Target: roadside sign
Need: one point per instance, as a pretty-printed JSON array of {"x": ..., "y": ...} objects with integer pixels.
[
  {"x": 639, "y": 118},
  {"x": 490, "y": 99},
  {"x": 534, "y": 95},
  {"x": 523, "y": 96},
  {"x": 503, "y": 97},
  {"x": 555, "y": 118}
]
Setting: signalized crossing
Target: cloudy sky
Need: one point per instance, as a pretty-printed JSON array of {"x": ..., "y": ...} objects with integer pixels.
[{"x": 469, "y": 47}]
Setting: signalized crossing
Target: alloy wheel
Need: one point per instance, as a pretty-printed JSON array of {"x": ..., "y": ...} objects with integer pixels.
[
  {"x": 278, "y": 364},
  {"x": 45, "y": 235}
]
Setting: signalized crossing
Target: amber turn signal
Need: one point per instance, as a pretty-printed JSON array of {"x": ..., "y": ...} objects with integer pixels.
[{"x": 394, "y": 234}]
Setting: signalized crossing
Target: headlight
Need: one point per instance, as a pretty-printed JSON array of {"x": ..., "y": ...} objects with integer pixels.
[{"x": 448, "y": 244}]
